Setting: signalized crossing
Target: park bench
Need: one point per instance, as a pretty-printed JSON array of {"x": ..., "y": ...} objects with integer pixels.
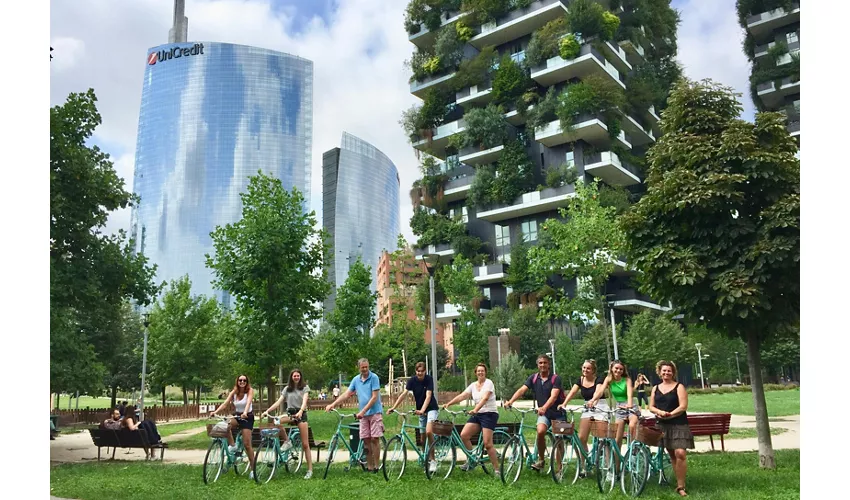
[
  {"x": 705, "y": 424},
  {"x": 108, "y": 438}
]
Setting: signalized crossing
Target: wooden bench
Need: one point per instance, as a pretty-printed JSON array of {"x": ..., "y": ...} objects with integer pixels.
[
  {"x": 108, "y": 438},
  {"x": 706, "y": 424}
]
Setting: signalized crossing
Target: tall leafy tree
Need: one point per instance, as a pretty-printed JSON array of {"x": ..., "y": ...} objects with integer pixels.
[
  {"x": 124, "y": 369},
  {"x": 91, "y": 274},
  {"x": 651, "y": 337},
  {"x": 718, "y": 230},
  {"x": 533, "y": 337},
  {"x": 352, "y": 319},
  {"x": 567, "y": 359},
  {"x": 270, "y": 261}
]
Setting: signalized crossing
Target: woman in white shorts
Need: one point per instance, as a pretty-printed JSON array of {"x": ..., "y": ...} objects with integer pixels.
[
  {"x": 586, "y": 385},
  {"x": 622, "y": 391}
]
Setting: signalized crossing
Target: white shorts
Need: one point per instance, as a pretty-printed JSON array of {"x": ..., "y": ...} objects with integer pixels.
[
  {"x": 622, "y": 415},
  {"x": 588, "y": 414}
]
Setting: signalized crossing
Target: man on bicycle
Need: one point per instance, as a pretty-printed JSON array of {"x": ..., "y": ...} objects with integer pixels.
[
  {"x": 368, "y": 389},
  {"x": 422, "y": 387},
  {"x": 548, "y": 392}
]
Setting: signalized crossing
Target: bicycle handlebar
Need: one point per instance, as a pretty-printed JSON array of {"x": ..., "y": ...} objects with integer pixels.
[{"x": 344, "y": 415}]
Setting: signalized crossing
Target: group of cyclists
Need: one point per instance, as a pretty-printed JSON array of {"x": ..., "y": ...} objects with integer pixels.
[{"x": 668, "y": 401}]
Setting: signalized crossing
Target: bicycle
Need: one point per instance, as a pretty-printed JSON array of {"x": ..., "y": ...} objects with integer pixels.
[
  {"x": 270, "y": 454},
  {"x": 569, "y": 448},
  {"x": 395, "y": 452},
  {"x": 219, "y": 458},
  {"x": 635, "y": 468},
  {"x": 447, "y": 440},
  {"x": 658, "y": 462},
  {"x": 355, "y": 458},
  {"x": 517, "y": 446}
]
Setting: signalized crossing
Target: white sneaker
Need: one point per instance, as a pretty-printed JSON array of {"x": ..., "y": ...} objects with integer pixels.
[
  {"x": 308, "y": 475},
  {"x": 432, "y": 466},
  {"x": 251, "y": 475},
  {"x": 231, "y": 449},
  {"x": 286, "y": 446}
]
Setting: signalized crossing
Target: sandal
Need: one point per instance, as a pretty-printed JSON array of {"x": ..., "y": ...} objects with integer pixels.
[{"x": 681, "y": 491}]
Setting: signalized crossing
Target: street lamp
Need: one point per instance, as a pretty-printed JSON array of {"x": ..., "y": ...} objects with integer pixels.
[
  {"x": 738, "y": 365},
  {"x": 146, "y": 321},
  {"x": 552, "y": 346},
  {"x": 430, "y": 261},
  {"x": 699, "y": 356}
]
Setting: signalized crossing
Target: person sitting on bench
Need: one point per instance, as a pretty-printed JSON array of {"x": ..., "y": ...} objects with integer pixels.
[
  {"x": 113, "y": 423},
  {"x": 147, "y": 425}
]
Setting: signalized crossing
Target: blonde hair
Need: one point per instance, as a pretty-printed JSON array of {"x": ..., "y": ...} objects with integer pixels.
[
  {"x": 618, "y": 362},
  {"x": 592, "y": 363},
  {"x": 662, "y": 363}
]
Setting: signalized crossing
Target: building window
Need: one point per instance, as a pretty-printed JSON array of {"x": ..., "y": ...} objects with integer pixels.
[
  {"x": 792, "y": 37},
  {"x": 503, "y": 235},
  {"x": 529, "y": 230},
  {"x": 486, "y": 291},
  {"x": 464, "y": 215},
  {"x": 571, "y": 158},
  {"x": 797, "y": 107}
]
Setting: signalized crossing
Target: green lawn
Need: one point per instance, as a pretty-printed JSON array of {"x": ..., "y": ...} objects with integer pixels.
[
  {"x": 169, "y": 429},
  {"x": 717, "y": 476},
  {"x": 779, "y": 403},
  {"x": 743, "y": 433}
]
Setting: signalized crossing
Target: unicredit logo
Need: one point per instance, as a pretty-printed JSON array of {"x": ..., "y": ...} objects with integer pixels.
[{"x": 174, "y": 53}]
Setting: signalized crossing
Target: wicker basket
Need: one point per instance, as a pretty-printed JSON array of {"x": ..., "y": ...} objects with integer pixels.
[
  {"x": 648, "y": 435},
  {"x": 600, "y": 430},
  {"x": 561, "y": 428},
  {"x": 442, "y": 427},
  {"x": 217, "y": 432}
]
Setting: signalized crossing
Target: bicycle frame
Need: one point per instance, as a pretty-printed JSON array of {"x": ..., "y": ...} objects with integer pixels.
[{"x": 421, "y": 453}]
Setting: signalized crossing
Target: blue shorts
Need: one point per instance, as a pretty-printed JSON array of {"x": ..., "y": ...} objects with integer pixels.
[
  {"x": 486, "y": 420},
  {"x": 430, "y": 416}
]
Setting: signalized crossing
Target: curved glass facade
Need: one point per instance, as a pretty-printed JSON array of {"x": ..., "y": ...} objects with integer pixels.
[
  {"x": 211, "y": 115},
  {"x": 361, "y": 203}
]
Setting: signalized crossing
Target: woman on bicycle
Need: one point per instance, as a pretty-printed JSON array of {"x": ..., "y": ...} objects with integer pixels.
[
  {"x": 622, "y": 390},
  {"x": 484, "y": 415},
  {"x": 242, "y": 397},
  {"x": 295, "y": 394},
  {"x": 586, "y": 385},
  {"x": 640, "y": 387},
  {"x": 669, "y": 402}
]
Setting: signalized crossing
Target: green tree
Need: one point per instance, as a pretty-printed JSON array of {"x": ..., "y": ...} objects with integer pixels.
[
  {"x": 352, "y": 319},
  {"x": 91, "y": 274},
  {"x": 718, "y": 230},
  {"x": 124, "y": 369},
  {"x": 533, "y": 337},
  {"x": 593, "y": 346},
  {"x": 262, "y": 260},
  {"x": 651, "y": 337},
  {"x": 508, "y": 376},
  {"x": 718, "y": 352},
  {"x": 583, "y": 247},
  {"x": 509, "y": 82},
  {"x": 568, "y": 361},
  {"x": 519, "y": 276}
]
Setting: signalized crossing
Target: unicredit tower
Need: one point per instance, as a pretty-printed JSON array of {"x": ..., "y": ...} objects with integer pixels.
[{"x": 212, "y": 114}]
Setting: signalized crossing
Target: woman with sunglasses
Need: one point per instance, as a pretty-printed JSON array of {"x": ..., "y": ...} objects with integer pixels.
[
  {"x": 242, "y": 397},
  {"x": 586, "y": 385},
  {"x": 295, "y": 395}
]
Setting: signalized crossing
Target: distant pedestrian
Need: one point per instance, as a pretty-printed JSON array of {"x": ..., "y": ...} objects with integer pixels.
[
  {"x": 122, "y": 407},
  {"x": 336, "y": 391}
]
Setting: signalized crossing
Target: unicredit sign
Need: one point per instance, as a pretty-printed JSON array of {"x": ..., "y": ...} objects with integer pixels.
[{"x": 174, "y": 53}]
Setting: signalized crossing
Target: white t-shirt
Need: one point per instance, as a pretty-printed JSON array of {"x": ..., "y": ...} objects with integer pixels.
[
  {"x": 490, "y": 405},
  {"x": 336, "y": 392}
]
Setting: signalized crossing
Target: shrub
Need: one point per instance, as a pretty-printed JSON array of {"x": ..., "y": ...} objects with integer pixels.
[
  {"x": 484, "y": 11},
  {"x": 509, "y": 375},
  {"x": 509, "y": 82},
  {"x": 544, "y": 42},
  {"x": 432, "y": 65},
  {"x": 434, "y": 228},
  {"x": 485, "y": 127},
  {"x": 543, "y": 112},
  {"x": 515, "y": 173},
  {"x": 476, "y": 70},
  {"x": 562, "y": 175},
  {"x": 451, "y": 383},
  {"x": 610, "y": 23},
  {"x": 569, "y": 47},
  {"x": 587, "y": 18},
  {"x": 464, "y": 32},
  {"x": 468, "y": 246},
  {"x": 521, "y": 4},
  {"x": 740, "y": 388},
  {"x": 448, "y": 48},
  {"x": 481, "y": 188},
  {"x": 594, "y": 95}
]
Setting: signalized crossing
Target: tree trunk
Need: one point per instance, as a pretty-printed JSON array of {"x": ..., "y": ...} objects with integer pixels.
[
  {"x": 163, "y": 396},
  {"x": 114, "y": 396},
  {"x": 185, "y": 396},
  {"x": 270, "y": 384},
  {"x": 767, "y": 459}
]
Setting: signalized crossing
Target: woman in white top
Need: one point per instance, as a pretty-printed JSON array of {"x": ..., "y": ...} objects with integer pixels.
[
  {"x": 242, "y": 397},
  {"x": 295, "y": 395},
  {"x": 485, "y": 414}
]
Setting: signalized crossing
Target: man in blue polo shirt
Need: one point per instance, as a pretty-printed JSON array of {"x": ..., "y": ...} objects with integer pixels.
[{"x": 368, "y": 389}]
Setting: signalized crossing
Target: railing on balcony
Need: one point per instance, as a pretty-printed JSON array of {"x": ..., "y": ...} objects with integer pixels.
[
  {"x": 466, "y": 92},
  {"x": 536, "y": 196},
  {"x": 445, "y": 16},
  {"x": 608, "y": 156},
  {"x": 438, "y": 248},
  {"x": 515, "y": 14},
  {"x": 771, "y": 14},
  {"x": 489, "y": 269},
  {"x": 559, "y": 62}
]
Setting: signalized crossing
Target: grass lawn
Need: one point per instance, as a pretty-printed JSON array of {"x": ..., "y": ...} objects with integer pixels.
[
  {"x": 779, "y": 403},
  {"x": 717, "y": 476},
  {"x": 169, "y": 429},
  {"x": 743, "y": 433}
]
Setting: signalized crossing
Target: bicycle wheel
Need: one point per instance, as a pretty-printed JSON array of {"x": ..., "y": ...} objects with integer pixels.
[
  {"x": 294, "y": 457},
  {"x": 212, "y": 461},
  {"x": 636, "y": 462},
  {"x": 395, "y": 458},
  {"x": 241, "y": 462},
  {"x": 331, "y": 452},
  {"x": 549, "y": 439},
  {"x": 666, "y": 475},
  {"x": 510, "y": 463},
  {"x": 445, "y": 455},
  {"x": 606, "y": 467},
  {"x": 265, "y": 461},
  {"x": 565, "y": 459}
]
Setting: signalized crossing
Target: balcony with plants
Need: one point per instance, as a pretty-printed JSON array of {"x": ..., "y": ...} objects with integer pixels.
[
  {"x": 484, "y": 137},
  {"x": 522, "y": 18},
  {"x": 761, "y": 17},
  {"x": 771, "y": 82},
  {"x": 424, "y": 18}
]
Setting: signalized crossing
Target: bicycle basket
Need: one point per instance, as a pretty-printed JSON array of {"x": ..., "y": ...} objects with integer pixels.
[
  {"x": 269, "y": 432},
  {"x": 648, "y": 435},
  {"x": 442, "y": 428},
  {"x": 599, "y": 429},
  {"x": 219, "y": 430},
  {"x": 560, "y": 427}
]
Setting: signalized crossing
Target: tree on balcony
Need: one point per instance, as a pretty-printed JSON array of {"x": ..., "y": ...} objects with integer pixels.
[
  {"x": 434, "y": 228},
  {"x": 419, "y": 121},
  {"x": 429, "y": 189},
  {"x": 595, "y": 95},
  {"x": 718, "y": 231},
  {"x": 477, "y": 70},
  {"x": 510, "y": 82},
  {"x": 545, "y": 42},
  {"x": 427, "y": 12},
  {"x": 485, "y": 128},
  {"x": 590, "y": 19},
  {"x": 519, "y": 276},
  {"x": 486, "y": 11}
]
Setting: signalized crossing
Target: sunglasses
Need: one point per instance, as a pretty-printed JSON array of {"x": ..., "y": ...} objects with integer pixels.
[{"x": 242, "y": 380}]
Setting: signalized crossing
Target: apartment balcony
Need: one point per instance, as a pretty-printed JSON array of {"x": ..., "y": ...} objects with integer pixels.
[
  {"x": 457, "y": 187},
  {"x": 534, "y": 202},
  {"x": 491, "y": 273},
  {"x": 476, "y": 95},
  {"x": 794, "y": 126},
  {"x": 617, "y": 56},
  {"x": 764, "y": 50},
  {"x": 589, "y": 128},
  {"x": 634, "y": 50},
  {"x": 419, "y": 87},
  {"x": 632, "y": 301},
  {"x": 443, "y": 250},
  {"x": 446, "y": 313},
  {"x": 651, "y": 118},
  {"x": 607, "y": 166},
  {"x": 760, "y": 25},
  {"x": 773, "y": 95},
  {"x": 789, "y": 56},
  {"x": 424, "y": 38},
  {"x": 639, "y": 134},
  {"x": 589, "y": 61},
  {"x": 436, "y": 146},
  {"x": 518, "y": 23}
]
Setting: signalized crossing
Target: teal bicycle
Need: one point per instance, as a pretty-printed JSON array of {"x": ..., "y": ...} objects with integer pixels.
[
  {"x": 512, "y": 461},
  {"x": 270, "y": 455},
  {"x": 355, "y": 457},
  {"x": 220, "y": 459},
  {"x": 609, "y": 461},
  {"x": 447, "y": 441},
  {"x": 395, "y": 453},
  {"x": 639, "y": 452},
  {"x": 568, "y": 446}
]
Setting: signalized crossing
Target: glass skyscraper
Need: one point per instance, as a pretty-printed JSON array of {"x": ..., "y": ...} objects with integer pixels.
[
  {"x": 360, "y": 210},
  {"x": 211, "y": 115}
]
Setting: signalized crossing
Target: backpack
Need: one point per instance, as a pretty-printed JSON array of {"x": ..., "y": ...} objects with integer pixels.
[{"x": 561, "y": 396}]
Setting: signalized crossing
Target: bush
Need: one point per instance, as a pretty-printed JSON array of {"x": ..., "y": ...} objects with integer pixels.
[
  {"x": 485, "y": 11},
  {"x": 587, "y": 18},
  {"x": 569, "y": 47},
  {"x": 545, "y": 42},
  {"x": 448, "y": 48},
  {"x": 476, "y": 70},
  {"x": 593, "y": 95},
  {"x": 509, "y": 376},
  {"x": 610, "y": 23},
  {"x": 450, "y": 383},
  {"x": 481, "y": 189},
  {"x": 515, "y": 173},
  {"x": 561, "y": 176},
  {"x": 509, "y": 82},
  {"x": 741, "y": 388},
  {"x": 485, "y": 127},
  {"x": 464, "y": 32}
]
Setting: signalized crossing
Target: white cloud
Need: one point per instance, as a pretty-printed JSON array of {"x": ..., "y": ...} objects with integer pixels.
[
  {"x": 360, "y": 85},
  {"x": 710, "y": 46},
  {"x": 72, "y": 50}
]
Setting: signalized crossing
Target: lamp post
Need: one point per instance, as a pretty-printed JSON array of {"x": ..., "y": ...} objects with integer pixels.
[
  {"x": 430, "y": 264},
  {"x": 146, "y": 322},
  {"x": 738, "y": 365},
  {"x": 552, "y": 346},
  {"x": 699, "y": 356}
]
